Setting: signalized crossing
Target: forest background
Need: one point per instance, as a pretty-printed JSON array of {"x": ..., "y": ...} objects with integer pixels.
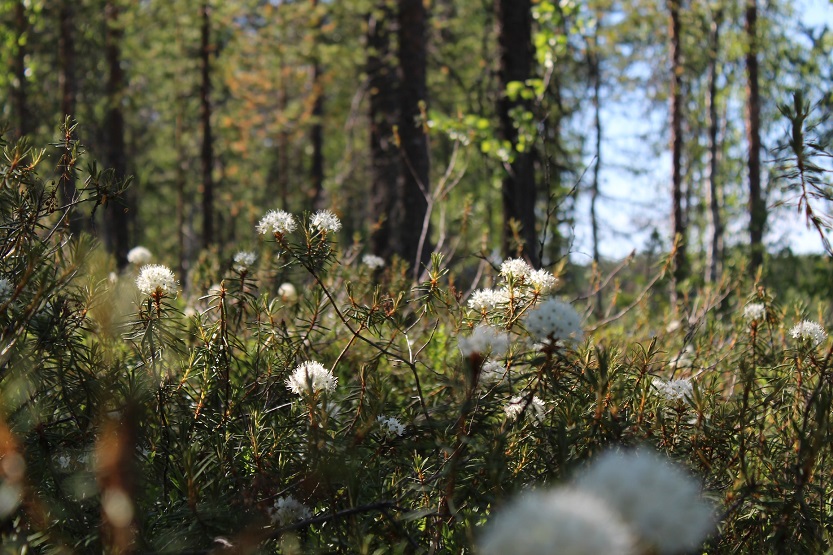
[
  {"x": 458, "y": 331},
  {"x": 219, "y": 112}
]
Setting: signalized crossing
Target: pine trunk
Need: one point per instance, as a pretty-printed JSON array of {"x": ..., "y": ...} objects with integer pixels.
[
  {"x": 66, "y": 86},
  {"x": 386, "y": 178},
  {"x": 757, "y": 207},
  {"x": 514, "y": 30},
  {"x": 714, "y": 248},
  {"x": 18, "y": 93},
  {"x": 676, "y": 98},
  {"x": 116, "y": 213},
  {"x": 415, "y": 225},
  {"x": 207, "y": 153}
]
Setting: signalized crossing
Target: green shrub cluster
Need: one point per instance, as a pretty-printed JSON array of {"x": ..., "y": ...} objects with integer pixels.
[{"x": 315, "y": 401}]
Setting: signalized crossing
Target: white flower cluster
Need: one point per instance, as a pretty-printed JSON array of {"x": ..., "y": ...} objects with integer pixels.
[
  {"x": 808, "y": 331},
  {"x": 373, "y": 262},
  {"x": 139, "y": 256},
  {"x": 244, "y": 260},
  {"x": 553, "y": 321},
  {"x": 563, "y": 520},
  {"x": 288, "y": 510},
  {"x": 156, "y": 279},
  {"x": 491, "y": 373},
  {"x": 535, "y": 408},
  {"x": 623, "y": 503},
  {"x": 287, "y": 293},
  {"x": 674, "y": 390},
  {"x": 325, "y": 221},
  {"x": 390, "y": 426},
  {"x": 659, "y": 500},
  {"x": 515, "y": 268},
  {"x": 6, "y": 290},
  {"x": 488, "y": 299},
  {"x": 522, "y": 284},
  {"x": 276, "y": 222},
  {"x": 754, "y": 312},
  {"x": 483, "y": 341},
  {"x": 311, "y": 377}
]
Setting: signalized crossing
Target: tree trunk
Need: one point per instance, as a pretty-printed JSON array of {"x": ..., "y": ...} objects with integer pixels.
[
  {"x": 514, "y": 30},
  {"x": 757, "y": 208},
  {"x": 414, "y": 141},
  {"x": 714, "y": 245},
  {"x": 18, "y": 92},
  {"x": 676, "y": 98},
  {"x": 386, "y": 177},
  {"x": 66, "y": 86},
  {"x": 596, "y": 76},
  {"x": 116, "y": 213},
  {"x": 317, "y": 131},
  {"x": 207, "y": 153}
]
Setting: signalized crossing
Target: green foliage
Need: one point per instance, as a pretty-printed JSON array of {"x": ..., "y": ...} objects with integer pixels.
[{"x": 161, "y": 423}]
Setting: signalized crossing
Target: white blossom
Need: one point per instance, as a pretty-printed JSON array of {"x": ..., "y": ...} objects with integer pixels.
[
  {"x": 244, "y": 260},
  {"x": 287, "y": 293},
  {"x": 373, "y": 262},
  {"x": 6, "y": 290},
  {"x": 808, "y": 331},
  {"x": 554, "y": 320},
  {"x": 658, "y": 499},
  {"x": 139, "y": 256},
  {"x": 287, "y": 510},
  {"x": 390, "y": 426},
  {"x": 311, "y": 377},
  {"x": 563, "y": 520},
  {"x": 515, "y": 268},
  {"x": 491, "y": 373},
  {"x": 483, "y": 341},
  {"x": 535, "y": 408},
  {"x": 326, "y": 221},
  {"x": 674, "y": 390},
  {"x": 156, "y": 279},
  {"x": 754, "y": 312},
  {"x": 541, "y": 281},
  {"x": 488, "y": 299},
  {"x": 276, "y": 222}
]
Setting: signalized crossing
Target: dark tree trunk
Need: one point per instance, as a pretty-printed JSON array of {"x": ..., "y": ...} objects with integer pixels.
[
  {"x": 283, "y": 142},
  {"x": 757, "y": 207},
  {"x": 596, "y": 76},
  {"x": 66, "y": 86},
  {"x": 116, "y": 217},
  {"x": 414, "y": 141},
  {"x": 207, "y": 153},
  {"x": 676, "y": 107},
  {"x": 18, "y": 92},
  {"x": 386, "y": 177},
  {"x": 514, "y": 30},
  {"x": 714, "y": 249},
  {"x": 317, "y": 130}
]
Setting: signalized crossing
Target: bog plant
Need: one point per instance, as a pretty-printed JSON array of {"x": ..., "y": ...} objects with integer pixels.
[{"x": 317, "y": 401}]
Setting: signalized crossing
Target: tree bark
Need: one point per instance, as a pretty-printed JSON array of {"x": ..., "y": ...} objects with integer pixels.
[
  {"x": 757, "y": 206},
  {"x": 66, "y": 87},
  {"x": 676, "y": 99},
  {"x": 317, "y": 130},
  {"x": 385, "y": 170},
  {"x": 116, "y": 236},
  {"x": 207, "y": 152},
  {"x": 596, "y": 77},
  {"x": 514, "y": 30},
  {"x": 714, "y": 245},
  {"x": 415, "y": 225},
  {"x": 18, "y": 92}
]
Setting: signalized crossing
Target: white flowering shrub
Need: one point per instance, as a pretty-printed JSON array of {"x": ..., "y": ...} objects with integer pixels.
[{"x": 301, "y": 393}]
